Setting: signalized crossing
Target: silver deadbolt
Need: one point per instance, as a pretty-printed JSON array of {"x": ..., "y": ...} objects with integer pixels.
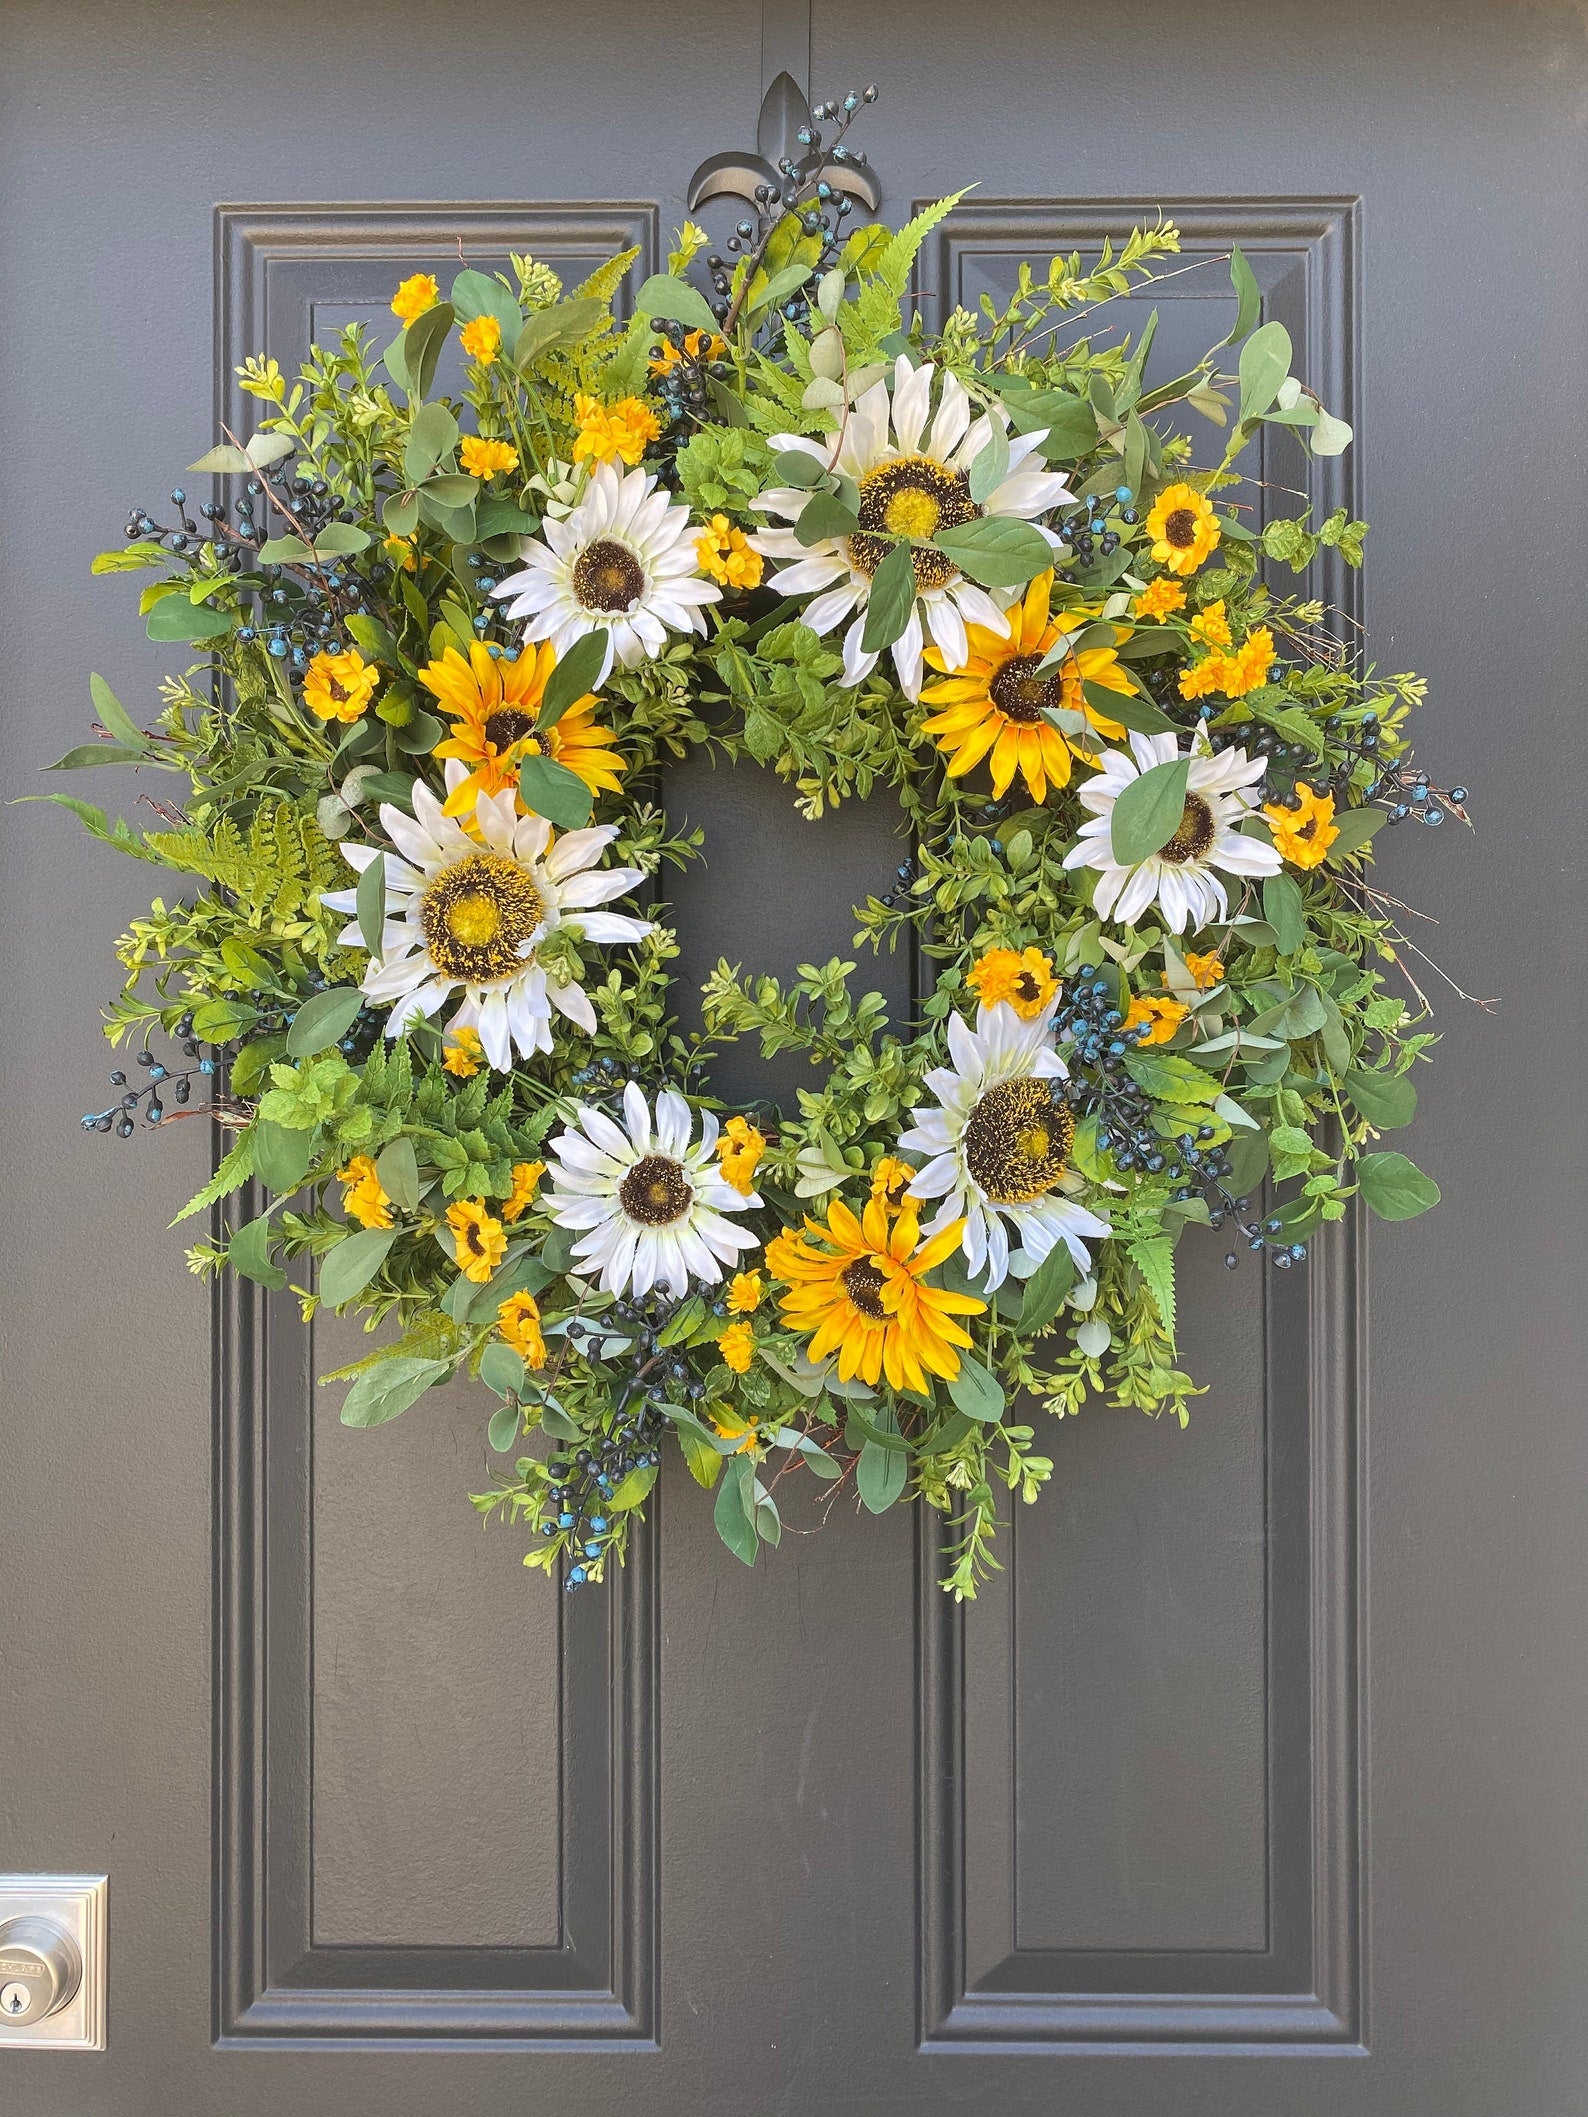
[{"x": 41, "y": 1967}]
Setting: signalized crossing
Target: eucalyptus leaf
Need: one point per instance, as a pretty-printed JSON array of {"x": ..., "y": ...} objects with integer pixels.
[
  {"x": 349, "y": 1266},
  {"x": 1149, "y": 811},
  {"x": 397, "y": 1167},
  {"x": 388, "y": 1388},
  {"x": 575, "y": 676},
  {"x": 1046, "y": 1289},
  {"x": 880, "y": 1476},
  {"x": 991, "y": 465},
  {"x": 734, "y": 1512},
  {"x": 323, "y": 1020},
  {"x": 1248, "y": 296},
  {"x": 891, "y": 601},
  {"x": 422, "y": 343},
  {"x": 502, "y": 1369},
  {"x": 674, "y": 301},
  {"x": 227, "y": 457},
  {"x": 501, "y": 1435},
  {"x": 1265, "y": 362},
  {"x": 1285, "y": 911},
  {"x": 174, "y": 617},
  {"x": 1130, "y": 710},
  {"x": 248, "y": 1252},
  {"x": 281, "y": 1156},
  {"x": 997, "y": 550},
  {"x": 977, "y": 1392},
  {"x": 370, "y": 902},
  {"x": 551, "y": 790},
  {"x": 825, "y": 515}
]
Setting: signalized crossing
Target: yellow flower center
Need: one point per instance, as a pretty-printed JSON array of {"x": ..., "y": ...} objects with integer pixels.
[
  {"x": 479, "y": 916},
  {"x": 911, "y": 496},
  {"x": 1018, "y": 1140},
  {"x": 1193, "y": 839}
]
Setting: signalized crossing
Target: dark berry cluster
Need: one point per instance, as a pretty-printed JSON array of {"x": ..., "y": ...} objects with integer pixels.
[
  {"x": 1090, "y": 534},
  {"x": 680, "y": 387},
  {"x": 159, "y": 1081}
]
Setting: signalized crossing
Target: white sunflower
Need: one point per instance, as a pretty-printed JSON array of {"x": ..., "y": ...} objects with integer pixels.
[
  {"x": 1180, "y": 878},
  {"x": 999, "y": 1142},
  {"x": 651, "y": 1200},
  {"x": 469, "y": 913},
  {"x": 914, "y": 480},
  {"x": 624, "y": 558}
]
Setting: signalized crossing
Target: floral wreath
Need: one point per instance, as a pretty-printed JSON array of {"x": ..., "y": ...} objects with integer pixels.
[{"x": 445, "y": 646}]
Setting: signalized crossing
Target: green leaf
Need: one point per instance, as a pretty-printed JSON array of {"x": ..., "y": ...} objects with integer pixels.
[
  {"x": 521, "y": 1273},
  {"x": 349, "y": 1266},
  {"x": 675, "y": 301},
  {"x": 891, "y": 601},
  {"x": 1355, "y": 828},
  {"x": 342, "y": 539},
  {"x": 401, "y": 514},
  {"x": 552, "y": 791},
  {"x": 1248, "y": 297},
  {"x": 175, "y": 618},
  {"x": 371, "y": 904},
  {"x": 1168, "y": 1078},
  {"x": 1046, "y": 1289},
  {"x": 324, "y": 1020},
  {"x": 734, "y": 1513},
  {"x": 564, "y": 324},
  {"x": 1127, "y": 708},
  {"x": 977, "y": 1392},
  {"x": 633, "y": 1490},
  {"x": 1265, "y": 362},
  {"x": 991, "y": 466},
  {"x": 248, "y": 1252},
  {"x": 114, "y": 716},
  {"x": 1068, "y": 422},
  {"x": 795, "y": 468},
  {"x": 997, "y": 550},
  {"x": 450, "y": 491},
  {"x": 131, "y": 558},
  {"x": 501, "y": 1435},
  {"x": 705, "y": 1462},
  {"x": 397, "y": 1166},
  {"x": 502, "y": 1369},
  {"x": 1285, "y": 911},
  {"x": 88, "y": 753},
  {"x": 880, "y": 1476},
  {"x": 574, "y": 677},
  {"x": 1329, "y": 436},
  {"x": 281, "y": 1155},
  {"x": 431, "y": 439},
  {"x": 779, "y": 287},
  {"x": 825, "y": 515},
  {"x": 1394, "y": 1187},
  {"x": 283, "y": 551},
  {"x": 1387, "y": 1100},
  {"x": 421, "y": 349},
  {"x": 1148, "y": 813},
  {"x": 1154, "y": 1259},
  {"x": 226, "y": 456},
  {"x": 384, "y": 1391},
  {"x": 477, "y": 294}
]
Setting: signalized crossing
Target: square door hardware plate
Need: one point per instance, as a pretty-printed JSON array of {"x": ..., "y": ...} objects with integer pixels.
[{"x": 59, "y": 1918}]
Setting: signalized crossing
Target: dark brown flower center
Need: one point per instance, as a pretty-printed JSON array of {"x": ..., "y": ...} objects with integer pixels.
[
  {"x": 1028, "y": 988},
  {"x": 863, "y": 1284},
  {"x": 507, "y": 725},
  {"x": 1018, "y": 1139},
  {"x": 656, "y": 1191},
  {"x": 911, "y": 496},
  {"x": 477, "y": 917},
  {"x": 1022, "y": 697},
  {"x": 1180, "y": 529},
  {"x": 607, "y": 576},
  {"x": 1193, "y": 840}
]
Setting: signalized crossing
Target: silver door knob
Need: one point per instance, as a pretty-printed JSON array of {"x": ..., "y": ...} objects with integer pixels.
[{"x": 41, "y": 1968}]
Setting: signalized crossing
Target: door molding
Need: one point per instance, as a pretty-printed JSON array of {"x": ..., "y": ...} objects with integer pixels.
[{"x": 596, "y": 1985}]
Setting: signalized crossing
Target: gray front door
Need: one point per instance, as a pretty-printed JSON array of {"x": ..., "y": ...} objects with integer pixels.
[{"x": 1254, "y": 1784}]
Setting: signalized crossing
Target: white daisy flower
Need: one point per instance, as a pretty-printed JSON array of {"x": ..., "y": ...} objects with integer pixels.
[
  {"x": 1179, "y": 878},
  {"x": 469, "y": 914},
  {"x": 914, "y": 480},
  {"x": 651, "y": 1200},
  {"x": 623, "y": 558},
  {"x": 998, "y": 1143}
]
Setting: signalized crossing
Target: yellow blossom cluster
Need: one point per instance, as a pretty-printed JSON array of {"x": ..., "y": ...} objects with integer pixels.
[{"x": 610, "y": 432}]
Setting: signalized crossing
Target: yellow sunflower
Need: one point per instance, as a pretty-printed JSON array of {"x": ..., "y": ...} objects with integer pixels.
[
  {"x": 479, "y": 1240},
  {"x": 1021, "y": 977},
  {"x": 364, "y": 1200},
  {"x": 1305, "y": 833},
  {"x": 994, "y": 706},
  {"x": 858, "y": 1287},
  {"x": 1165, "y": 1015},
  {"x": 526, "y": 1181},
  {"x": 1182, "y": 528},
  {"x": 518, "y": 1321},
  {"x": 339, "y": 686},
  {"x": 493, "y": 706}
]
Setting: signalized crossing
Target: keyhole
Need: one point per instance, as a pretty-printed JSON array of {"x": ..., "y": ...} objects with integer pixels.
[{"x": 14, "y": 1999}]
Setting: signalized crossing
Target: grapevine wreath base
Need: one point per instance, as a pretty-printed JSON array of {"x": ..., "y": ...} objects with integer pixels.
[{"x": 439, "y": 650}]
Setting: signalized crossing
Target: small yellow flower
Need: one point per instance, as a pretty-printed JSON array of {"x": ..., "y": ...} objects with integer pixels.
[
  {"x": 1182, "y": 529},
  {"x": 1163, "y": 1013},
  {"x": 731, "y": 1424},
  {"x": 1159, "y": 598},
  {"x": 339, "y": 686},
  {"x": 737, "y": 1347},
  {"x": 479, "y": 1240},
  {"x": 739, "y": 1148},
  {"x": 1211, "y": 625},
  {"x": 481, "y": 339},
  {"x": 518, "y": 1321},
  {"x": 364, "y": 1200},
  {"x": 483, "y": 459},
  {"x": 1304, "y": 834},
  {"x": 462, "y": 1053},
  {"x": 744, "y": 1293},
  {"x": 607, "y": 431},
  {"x": 1205, "y": 970},
  {"x": 1231, "y": 674},
  {"x": 783, "y": 1252},
  {"x": 724, "y": 552},
  {"x": 414, "y": 296},
  {"x": 400, "y": 550},
  {"x": 1023, "y": 978},
  {"x": 697, "y": 346},
  {"x": 526, "y": 1178},
  {"x": 890, "y": 1179}
]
